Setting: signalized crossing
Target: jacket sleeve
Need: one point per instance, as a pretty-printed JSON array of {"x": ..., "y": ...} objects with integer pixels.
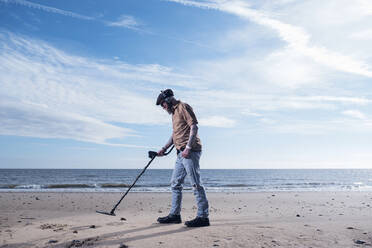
[{"x": 189, "y": 115}]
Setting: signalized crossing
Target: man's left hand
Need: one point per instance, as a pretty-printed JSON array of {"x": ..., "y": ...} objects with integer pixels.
[{"x": 186, "y": 153}]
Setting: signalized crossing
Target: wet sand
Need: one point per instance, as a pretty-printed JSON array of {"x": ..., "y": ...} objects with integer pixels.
[{"x": 270, "y": 219}]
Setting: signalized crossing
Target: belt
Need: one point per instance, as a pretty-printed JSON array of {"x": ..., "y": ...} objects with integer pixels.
[{"x": 180, "y": 150}]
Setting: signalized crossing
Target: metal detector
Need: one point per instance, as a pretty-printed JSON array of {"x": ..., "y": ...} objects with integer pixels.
[{"x": 152, "y": 155}]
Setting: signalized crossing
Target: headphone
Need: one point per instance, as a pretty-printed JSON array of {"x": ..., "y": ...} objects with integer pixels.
[{"x": 166, "y": 95}]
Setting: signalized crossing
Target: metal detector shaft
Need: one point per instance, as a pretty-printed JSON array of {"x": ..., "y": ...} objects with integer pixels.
[
  {"x": 143, "y": 171},
  {"x": 152, "y": 155}
]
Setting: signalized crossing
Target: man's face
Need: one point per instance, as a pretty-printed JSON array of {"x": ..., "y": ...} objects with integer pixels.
[{"x": 166, "y": 107}]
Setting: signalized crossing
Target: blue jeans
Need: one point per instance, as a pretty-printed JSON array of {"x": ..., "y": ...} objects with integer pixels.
[{"x": 188, "y": 166}]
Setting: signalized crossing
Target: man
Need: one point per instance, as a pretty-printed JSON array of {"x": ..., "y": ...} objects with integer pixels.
[{"x": 188, "y": 146}]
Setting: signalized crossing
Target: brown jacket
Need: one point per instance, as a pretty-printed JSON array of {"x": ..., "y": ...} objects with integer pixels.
[{"x": 183, "y": 118}]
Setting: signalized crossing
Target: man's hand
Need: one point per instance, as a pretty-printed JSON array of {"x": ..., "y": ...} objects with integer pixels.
[
  {"x": 161, "y": 152},
  {"x": 186, "y": 153}
]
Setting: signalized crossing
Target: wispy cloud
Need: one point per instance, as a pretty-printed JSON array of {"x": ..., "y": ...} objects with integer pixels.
[
  {"x": 324, "y": 127},
  {"x": 130, "y": 22},
  {"x": 257, "y": 102},
  {"x": 217, "y": 121},
  {"x": 283, "y": 82},
  {"x": 47, "y": 9},
  {"x": 25, "y": 119},
  {"x": 355, "y": 114},
  {"x": 125, "y": 21},
  {"x": 362, "y": 35},
  {"x": 46, "y": 92},
  {"x": 67, "y": 96},
  {"x": 296, "y": 37},
  {"x": 366, "y": 7}
]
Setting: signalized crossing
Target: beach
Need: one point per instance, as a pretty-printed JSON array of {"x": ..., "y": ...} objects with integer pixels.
[{"x": 255, "y": 219}]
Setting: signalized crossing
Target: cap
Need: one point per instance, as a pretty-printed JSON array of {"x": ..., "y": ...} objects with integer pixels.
[{"x": 163, "y": 95}]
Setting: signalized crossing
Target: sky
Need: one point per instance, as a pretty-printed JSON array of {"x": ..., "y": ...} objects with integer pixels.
[{"x": 274, "y": 84}]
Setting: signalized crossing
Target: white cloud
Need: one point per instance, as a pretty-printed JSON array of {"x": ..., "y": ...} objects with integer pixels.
[
  {"x": 35, "y": 120},
  {"x": 362, "y": 35},
  {"x": 343, "y": 100},
  {"x": 65, "y": 96},
  {"x": 217, "y": 121},
  {"x": 288, "y": 69},
  {"x": 125, "y": 21},
  {"x": 268, "y": 121},
  {"x": 365, "y": 7},
  {"x": 111, "y": 91},
  {"x": 354, "y": 113},
  {"x": 295, "y": 36},
  {"x": 247, "y": 112},
  {"x": 236, "y": 101},
  {"x": 299, "y": 72},
  {"x": 47, "y": 9}
]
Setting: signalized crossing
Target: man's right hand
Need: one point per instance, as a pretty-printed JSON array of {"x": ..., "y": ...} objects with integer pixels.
[{"x": 161, "y": 152}]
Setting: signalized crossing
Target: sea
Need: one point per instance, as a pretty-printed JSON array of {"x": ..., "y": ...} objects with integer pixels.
[{"x": 158, "y": 180}]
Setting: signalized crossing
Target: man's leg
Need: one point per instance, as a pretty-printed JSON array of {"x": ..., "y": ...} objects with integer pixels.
[
  {"x": 193, "y": 170},
  {"x": 178, "y": 178}
]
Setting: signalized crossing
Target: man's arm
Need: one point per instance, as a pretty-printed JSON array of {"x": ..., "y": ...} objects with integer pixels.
[
  {"x": 192, "y": 137},
  {"x": 167, "y": 145},
  {"x": 193, "y": 133}
]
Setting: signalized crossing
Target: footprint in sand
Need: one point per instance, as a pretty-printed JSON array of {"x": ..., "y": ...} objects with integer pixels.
[
  {"x": 8, "y": 231},
  {"x": 80, "y": 228},
  {"x": 89, "y": 242},
  {"x": 115, "y": 224},
  {"x": 54, "y": 227}
]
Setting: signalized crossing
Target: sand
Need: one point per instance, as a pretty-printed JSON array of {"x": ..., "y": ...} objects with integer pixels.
[{"x": 270, "y": 219}]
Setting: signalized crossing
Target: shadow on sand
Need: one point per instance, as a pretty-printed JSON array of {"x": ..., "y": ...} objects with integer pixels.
[{"x": 106, "y": 239}]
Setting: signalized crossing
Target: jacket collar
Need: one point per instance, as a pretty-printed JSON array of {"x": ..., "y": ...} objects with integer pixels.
[{"x": 175, "y": 106}]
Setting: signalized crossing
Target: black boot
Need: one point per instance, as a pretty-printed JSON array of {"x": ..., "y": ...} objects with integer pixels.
[
  {"x": 197, "y": 222},
  {"x": 171, "y": 218}
]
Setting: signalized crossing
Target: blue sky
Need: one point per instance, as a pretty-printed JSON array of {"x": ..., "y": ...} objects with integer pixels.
[{"x": 274, "y": 84}]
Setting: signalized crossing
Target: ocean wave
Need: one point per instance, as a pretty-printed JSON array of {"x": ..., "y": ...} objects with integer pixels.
[
  {"x": 236, "y": 185},
  {"x": 189, "y": 189},
  {"x": 28, "y": 186},
  {"x": 8, "y": 186},
  {"x": 63, "y": 186},
  {"x": 308, "y": 184},
  {"x": 114, "y": 185},
  {"x": 155, "y": 185}
]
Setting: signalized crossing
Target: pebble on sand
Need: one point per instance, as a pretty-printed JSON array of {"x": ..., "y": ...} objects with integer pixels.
[
  {"x": 75, "y": 243},
  {"x": 359, "y": 242}
]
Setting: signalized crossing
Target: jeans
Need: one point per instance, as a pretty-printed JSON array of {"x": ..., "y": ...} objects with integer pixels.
[{"x": 188, "y": 166}]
